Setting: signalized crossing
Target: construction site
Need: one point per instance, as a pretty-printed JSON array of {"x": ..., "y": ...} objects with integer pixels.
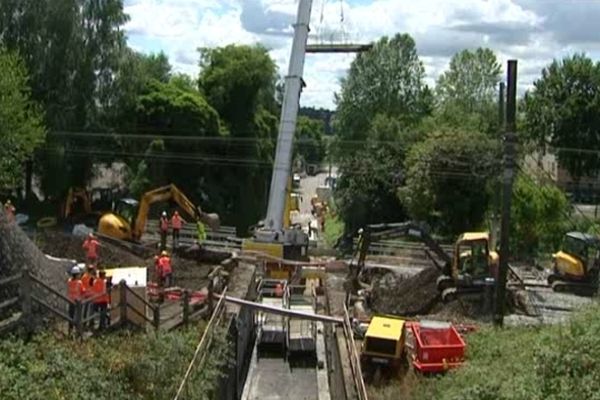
[{"x": 157, "y": 283}]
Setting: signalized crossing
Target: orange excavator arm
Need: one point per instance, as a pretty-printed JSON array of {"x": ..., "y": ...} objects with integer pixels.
[{"x": 166, "y": 193}]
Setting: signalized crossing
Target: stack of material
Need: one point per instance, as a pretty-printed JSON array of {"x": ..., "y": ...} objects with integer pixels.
[
  {"x": 416, "y": 295},
  {"x": 18, "y": 252}
]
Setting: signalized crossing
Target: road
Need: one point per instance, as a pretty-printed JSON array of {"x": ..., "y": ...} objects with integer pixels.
[{"x": 308, "y": 188}]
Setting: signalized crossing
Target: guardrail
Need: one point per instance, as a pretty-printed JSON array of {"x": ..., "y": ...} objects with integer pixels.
[{"x": 33, "y": 295}]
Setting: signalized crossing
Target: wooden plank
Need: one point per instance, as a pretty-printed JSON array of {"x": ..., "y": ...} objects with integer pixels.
[
  {"x": 51, "y": 309},
  {"x": 9, "y": 302},
  {"x": 10, "y": 279}
]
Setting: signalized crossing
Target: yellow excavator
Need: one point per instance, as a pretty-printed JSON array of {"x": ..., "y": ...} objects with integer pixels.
[
  {"x": 576, "y": 265},
  {"x": 128, "y": 220}
]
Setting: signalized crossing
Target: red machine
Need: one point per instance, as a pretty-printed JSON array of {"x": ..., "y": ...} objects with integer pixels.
[{"x": 437, "y": 346}]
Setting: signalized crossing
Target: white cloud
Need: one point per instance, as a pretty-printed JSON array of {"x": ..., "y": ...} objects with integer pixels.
[{"x": 522, "y": 29}]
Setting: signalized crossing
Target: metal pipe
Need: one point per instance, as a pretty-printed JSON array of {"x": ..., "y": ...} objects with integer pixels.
[{"x": 281, "y": 311}]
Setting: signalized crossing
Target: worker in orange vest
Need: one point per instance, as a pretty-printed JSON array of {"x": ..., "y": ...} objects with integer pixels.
[
  {"x": 101, "y": 299},
  {"x": 91, "y": 245},
  {"x": 279, "y": 290},
  {"x": 75, "y": 292},
  {"x": 163, "y": 225},
  {"x": 166, "y": 270},
  {"x": 176, "y": 223},
  {"x": 87, "y": 280},
  {"x": 9, "y": 210}
]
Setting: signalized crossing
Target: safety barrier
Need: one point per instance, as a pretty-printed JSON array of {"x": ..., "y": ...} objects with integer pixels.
[{"x": 34, "y": 296}]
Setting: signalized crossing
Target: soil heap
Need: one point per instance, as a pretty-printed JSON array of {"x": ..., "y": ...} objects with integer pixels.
[
  {"x": 18, "y": 252},
  {"x": 407, "y": 297}
]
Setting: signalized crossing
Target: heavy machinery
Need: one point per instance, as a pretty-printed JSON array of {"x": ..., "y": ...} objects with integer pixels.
[
  {"x": 274, "y": 238},
  {"x": 576, "y": 265},
  {"x": 128, "y": 220},
  {"x": 85, "y": 206},
  {"x": 383, "y": 346},
  {"x": 470, "y": 268}
]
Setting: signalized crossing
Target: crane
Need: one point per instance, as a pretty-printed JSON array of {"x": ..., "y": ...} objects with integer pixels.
[{"x": 274, "y": 238}]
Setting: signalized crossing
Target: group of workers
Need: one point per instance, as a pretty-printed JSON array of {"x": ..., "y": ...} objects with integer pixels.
[
  {"x": 176, "y": 223},
  {"x": 91, "y": 286}
]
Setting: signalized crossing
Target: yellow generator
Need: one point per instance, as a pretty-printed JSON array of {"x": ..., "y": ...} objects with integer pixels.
[{"x": 383, "y": 347}]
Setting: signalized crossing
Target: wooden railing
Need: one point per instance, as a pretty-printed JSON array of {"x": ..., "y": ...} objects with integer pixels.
[
  {"x": 357, "y": 375},
  {"x": 35, "y": 295}
]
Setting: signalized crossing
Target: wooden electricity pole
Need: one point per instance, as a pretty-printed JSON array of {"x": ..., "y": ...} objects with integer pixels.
[{"x": 507, "y": 183}]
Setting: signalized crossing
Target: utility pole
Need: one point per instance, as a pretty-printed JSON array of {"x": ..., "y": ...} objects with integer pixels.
[
  {"x": 497, "y": 194},
  {"x": 507, "y": 183}
]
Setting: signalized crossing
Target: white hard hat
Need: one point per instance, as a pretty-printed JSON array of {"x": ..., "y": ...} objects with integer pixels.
[
  {"x": 75, "y": 270},
  {"x": 164, "y": 213}
]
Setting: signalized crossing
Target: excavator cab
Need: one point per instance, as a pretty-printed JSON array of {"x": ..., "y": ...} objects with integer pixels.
[
  {"x": 473, "y": 258},
  {"x": 577, "y": 262}
]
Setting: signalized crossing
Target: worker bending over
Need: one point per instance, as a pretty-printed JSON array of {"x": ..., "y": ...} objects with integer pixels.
[
  {"x": 91, "y": 245},
  {"x": 176, "y": 222},
  {"x": 9, "y": 210},
  {"x": 163, "y": 225},
  {"x": 165, "y": 270},
  {"x": 75, "y": 292},
  {"x": 101, "y": 299}
]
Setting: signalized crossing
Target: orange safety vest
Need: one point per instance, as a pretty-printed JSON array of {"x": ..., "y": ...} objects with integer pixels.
[
  {"x": 99, "y": 287},
  {"x": 75, "y": 289},
  {"x": 176, "y": 221},
  {"x": 164, "y": 265},
  {"x": 164, "y": 224},
  {"x": 87, "y": 280},
  {"x": 91, "y": 246}
]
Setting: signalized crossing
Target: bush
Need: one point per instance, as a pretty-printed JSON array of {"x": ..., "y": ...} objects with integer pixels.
[{"x": 123, "y": 366}]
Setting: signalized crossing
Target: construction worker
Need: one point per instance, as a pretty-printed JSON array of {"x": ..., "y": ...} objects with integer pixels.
[
  {"x": 176, "y": 223},
  {"x": 166, "y": 270},
  {"x": 163, "y": 225},
  {"x": 87, "y": 280},
  {"x": 101, "y": 299},
  {"x": 201, "y": 232},
  {"x": 90, "y": 245},
  {"x": 75, "y": 292},
  {"x": 9, "y": 210},
  {"x": 157, "y": 271},
  {"x": 279, "y": 290}
]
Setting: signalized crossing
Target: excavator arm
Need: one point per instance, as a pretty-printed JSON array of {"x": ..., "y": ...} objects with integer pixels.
[
  {"x": 375, "y": 232},
  {"x": 166, "y": 193}
]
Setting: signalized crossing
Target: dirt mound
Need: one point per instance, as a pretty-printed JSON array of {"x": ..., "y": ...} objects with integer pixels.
[
  {"x": 64, "y": 245},
  {"x": 407, "y": 297},
  {"x": 18, "y": 252},
  {"x": 190, "y": 274}
]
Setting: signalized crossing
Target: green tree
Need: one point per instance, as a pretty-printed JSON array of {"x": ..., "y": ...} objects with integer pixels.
[
  {"x": 309, "y": 143},
  {"x": 448, "y": 179},
  {"x": 385, "y": 80},
  {"x": 239, "y": 82},
  {"x": 466, "y": 93},
  {"x": 562, "y": 111},
  {"x": 539, "y": 216},
  {"x": 366, "y": 189},
  {"x": 21, "y": 122}
]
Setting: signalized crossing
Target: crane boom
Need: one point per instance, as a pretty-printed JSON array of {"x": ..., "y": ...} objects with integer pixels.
[{"x": 287, "y": 123}]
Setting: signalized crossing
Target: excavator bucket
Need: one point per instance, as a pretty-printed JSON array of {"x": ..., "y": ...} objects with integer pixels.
[{"x": 212, "y": 219}]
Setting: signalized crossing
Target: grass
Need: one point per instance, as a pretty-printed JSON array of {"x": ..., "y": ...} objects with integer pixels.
[
  {"x": 334, "y": 228},
  {"x": 551, "y": 362}
]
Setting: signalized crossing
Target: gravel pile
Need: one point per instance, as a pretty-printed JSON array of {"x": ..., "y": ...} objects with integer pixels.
[
  {"x": 406, "y": 297},
  {"x": 18, "y": 252}
]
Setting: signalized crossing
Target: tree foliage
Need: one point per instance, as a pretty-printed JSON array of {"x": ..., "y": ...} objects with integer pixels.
[
  {"x": 239, "y": 81},
  {"x": 309, "y": 143},
  {"x": 539, "y": 217},
  {"x": 466, "y": 92},
  {"x": 562, "y": 111},
  {"x": 448, "y": 177},
  {"x": 21, "y": 122},
  {"x": 387, "y": 80}
]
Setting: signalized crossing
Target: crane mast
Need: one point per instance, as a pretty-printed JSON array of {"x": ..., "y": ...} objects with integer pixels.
[{"x": 273, "y": 230}]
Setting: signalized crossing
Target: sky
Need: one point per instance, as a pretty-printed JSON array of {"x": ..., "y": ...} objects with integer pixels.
[{"x": 532, "y": 31}]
